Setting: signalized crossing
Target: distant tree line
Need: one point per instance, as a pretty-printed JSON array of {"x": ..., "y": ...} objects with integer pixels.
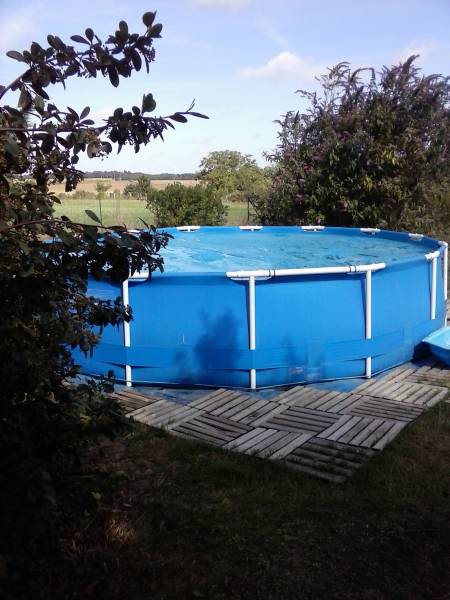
[{"x": 134, "y": 175}]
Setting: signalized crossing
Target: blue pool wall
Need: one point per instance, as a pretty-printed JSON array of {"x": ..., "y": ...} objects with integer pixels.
[{"x": 193, "y": 328}]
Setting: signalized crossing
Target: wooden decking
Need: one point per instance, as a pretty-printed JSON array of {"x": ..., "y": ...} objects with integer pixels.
[{"x": 325, "y": 433}]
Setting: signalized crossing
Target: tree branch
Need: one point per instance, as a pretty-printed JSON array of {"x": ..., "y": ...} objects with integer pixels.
[{"x": 13, "y": 83}]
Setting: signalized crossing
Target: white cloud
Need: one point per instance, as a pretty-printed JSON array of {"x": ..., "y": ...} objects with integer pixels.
[
  {"x": 424, "y": 48},
  {"x": 233, "y": 4},
  {"x": 17, "y": 27},
  {"x": 267, "y": 28},
  {"x": 284, "y": 65}
]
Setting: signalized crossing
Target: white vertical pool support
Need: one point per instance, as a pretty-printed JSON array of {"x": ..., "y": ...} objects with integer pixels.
[
  {"x": 445, "y": 275},
  {"x": 368, "y": 320},
  {"x": 252, "y": 325},
  {"x": 433, "y": 256},
  {"x": 126, "y": 331},
  {"x": 445, "y": 267}
]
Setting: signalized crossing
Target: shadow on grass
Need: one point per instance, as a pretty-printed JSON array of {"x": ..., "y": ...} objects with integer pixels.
[{"x": 173, "y": 519}]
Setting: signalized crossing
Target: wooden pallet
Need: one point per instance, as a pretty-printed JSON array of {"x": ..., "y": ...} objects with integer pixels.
[{"x": 324, "y": 433}]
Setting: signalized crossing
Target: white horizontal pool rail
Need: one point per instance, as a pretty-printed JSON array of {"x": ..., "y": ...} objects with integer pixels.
[
  {"x": 188, "y": 228},
  {"x": 371, "y": 230},
  {"x": 312, "y": 227},
  {"x": 250, "y": 227},
  {"x": 267, "y": 273}
]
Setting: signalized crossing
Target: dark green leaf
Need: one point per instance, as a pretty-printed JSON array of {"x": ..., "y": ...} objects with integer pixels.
[
  {"x": 148, "y": 18},
  {"x": 196, "y": 114},
  {"x": 47, "y": 144},
  {"x": 155, "y": 31},
  {"x": 89, "y": 34},
  {"x": 136, "y": 59},
  {"x": 148, "y": 103},
  {"x": 178, "y": 117},
  {"x": 113, "y": 76},
  {"x": 85, "y": 112},
  {"x": 91, "y": 214},
  {"x": 15, "y": 55},
  {"x": 25, "y": 99},
  {"x": 79, "y": 39}
]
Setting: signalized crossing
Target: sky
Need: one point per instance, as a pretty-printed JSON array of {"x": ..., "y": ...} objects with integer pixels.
[{"x": 241, "y": 60}]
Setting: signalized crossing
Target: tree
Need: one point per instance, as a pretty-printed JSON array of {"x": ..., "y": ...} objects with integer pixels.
[
  {"x": 184, "y": 205},
  {"x": 369, "y": 150},
  {"x": 233, "y": 175},
  {"x": 139, "y": 189},
  {"x": 45, "y": 261}
]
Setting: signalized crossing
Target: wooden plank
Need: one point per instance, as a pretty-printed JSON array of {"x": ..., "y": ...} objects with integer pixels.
[
  {"x": 201, "y": 429},
  {"x": 290, "y": 393},
  {"x": 341, "y": 426},
  {"x": 324, "y": 466},
  {"x": 239, "y": 406},
  {"x": 209, "y": 398},
  {"x": 362, "y": 436},
  {"x": 340, "y": 403},
  {"x": 136, "y": 395},
  {"x": 256, "y": 408},
  {"x": 275, "y": 410},
  {"x": 360, "y": 428},
  {"x": 295, "y": 427},
  {"x": 233, "y": 405},
  {"x": 265, "y": 447},
  {"x": 249, "y": 439},
  {"x": 352, "y": 453},
  {"x": 276, "y": 442},
  {"x": 306, "y": 451},
  {"x": 252, "y": 446},
  {"x": 318, "y": 402},
  {"x": 218, "y": 402},
  {"x": 311, "y": 414},
  {"x": 292, "y": 423},
  {"x": 385, "y": 409},
  {"x": 389, "y": 435},
  {"x": 222, "y": 424},
  {"x": 293, "y": 444},
  {"x": 438, "y": 397},
  {"x": 304, "y": 398},
  {"x": 176, "y": 418},
  {"x": 378, "y": 433},
  {"x": 195, "y": 435},
  {"x": 315, "y": 473},
  {"x": 153, "y": 407}
]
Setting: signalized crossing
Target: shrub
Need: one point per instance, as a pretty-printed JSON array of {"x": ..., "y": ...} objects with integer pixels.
[
  {"x": 372, "y": 149},
  {"x": 45, "y": 263},
  {"x": 182, "y": 205}
]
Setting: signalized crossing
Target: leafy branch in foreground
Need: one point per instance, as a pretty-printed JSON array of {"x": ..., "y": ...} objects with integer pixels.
[{"x": 45, "y": 262}]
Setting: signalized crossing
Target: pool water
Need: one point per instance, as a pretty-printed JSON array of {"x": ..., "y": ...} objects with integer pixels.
[{"x": 272, "y": 249}]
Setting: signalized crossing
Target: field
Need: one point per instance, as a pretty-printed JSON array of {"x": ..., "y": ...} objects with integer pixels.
[
  {"x": 119, "y": 209},
  {"x": 89, "y": 185}
]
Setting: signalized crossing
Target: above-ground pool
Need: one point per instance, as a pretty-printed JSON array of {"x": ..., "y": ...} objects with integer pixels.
[{"x": 253, "y": 307}]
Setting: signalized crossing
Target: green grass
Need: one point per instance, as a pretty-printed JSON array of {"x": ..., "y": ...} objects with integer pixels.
[
  {"x": 175, "y": 520},
  {"x": 128, "y": 211}
]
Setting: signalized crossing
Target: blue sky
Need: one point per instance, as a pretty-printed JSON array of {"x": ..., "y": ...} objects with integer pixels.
[{"x": 242, "y": 60}]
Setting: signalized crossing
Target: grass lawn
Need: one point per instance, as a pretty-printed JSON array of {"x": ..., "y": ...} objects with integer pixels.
[
  {"x": 128, "y": 210},
  {"x": 169, "y": 519}
]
